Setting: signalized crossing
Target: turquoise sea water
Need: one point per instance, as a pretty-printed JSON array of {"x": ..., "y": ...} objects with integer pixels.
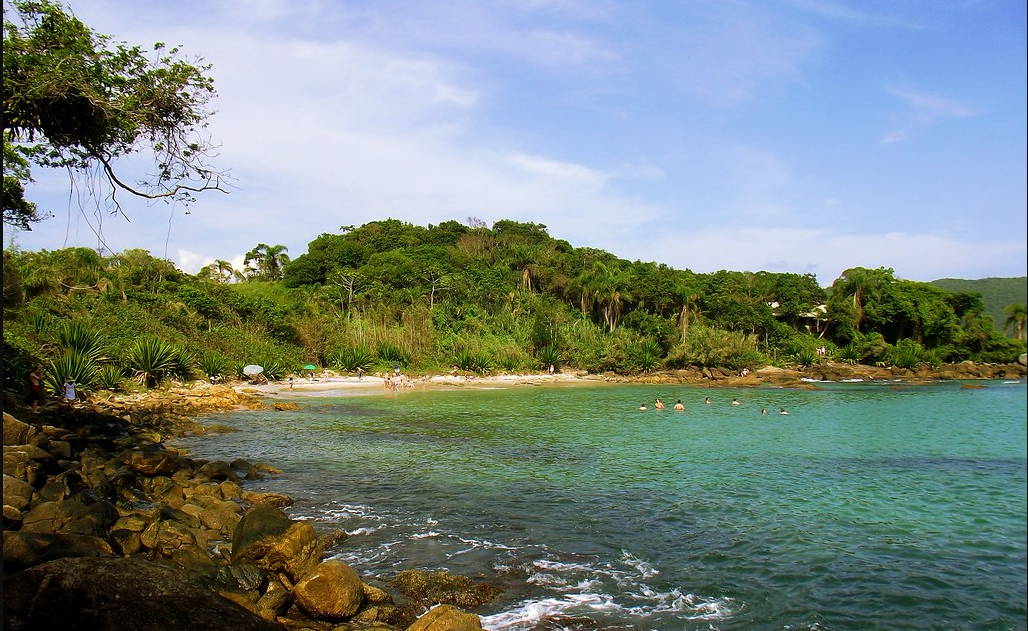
[{"x": 868, "y": 506}]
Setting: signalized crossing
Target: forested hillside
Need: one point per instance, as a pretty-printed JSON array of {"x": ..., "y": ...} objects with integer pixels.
[
  {"x": 997, "y": 294},
  {"x": 508, "y": 298}
]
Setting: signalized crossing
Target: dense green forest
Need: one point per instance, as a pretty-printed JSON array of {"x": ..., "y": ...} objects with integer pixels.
[
  {"x": 502, "y": 298},
  {"x": 509, "y": 298},
  {"x": 997, "y": 294}
]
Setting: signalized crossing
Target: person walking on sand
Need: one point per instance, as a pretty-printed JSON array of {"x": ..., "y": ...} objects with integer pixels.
[
  {"x": 551, "y": 369},
  {"x": 360, "y": 373},
  {"x": 35, "y": 388},
  {"x": 679, "y": 406},
  {"x": 69, "y": 391}
]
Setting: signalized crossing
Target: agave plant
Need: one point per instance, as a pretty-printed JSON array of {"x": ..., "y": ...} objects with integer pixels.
[
  {"x": 75, "y": 336},
  {"x": 39, "y": 322},
  {"x": 390, "y": 352},
  {"x": 110, "y": 377},
  {"x": 151, "y": 359},
  {"x": 464, "y": 359},
  {"x": 806, "y": 357},
  {"x": 213, "y": 365},
  {"x": 72, "y": 364},
  {"x": 849, "y": 354},
  {"x": 510, "y": 362},
  {"x": 352, "y": 358},
  {"x": 648, "y": 355},
  {"x": 548, "y": 355},
  {"x": 183, "y": 365},
  {"x": 273, "y": 369}
]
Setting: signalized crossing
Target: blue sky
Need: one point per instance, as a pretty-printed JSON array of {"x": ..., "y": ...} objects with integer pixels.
[{"x": 801, "y": 136}]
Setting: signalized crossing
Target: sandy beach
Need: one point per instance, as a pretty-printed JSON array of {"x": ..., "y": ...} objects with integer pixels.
[{"x": 328, "y": 382}]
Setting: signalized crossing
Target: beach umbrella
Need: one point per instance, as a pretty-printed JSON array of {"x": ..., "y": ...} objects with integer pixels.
[
  {"x": 252, "y": 369},
  {"x": 310, "y": 367}
]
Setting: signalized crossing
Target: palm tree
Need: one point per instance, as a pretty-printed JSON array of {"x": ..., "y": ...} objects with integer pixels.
[
  {"x": 266, "y": 262},
  {"x": 863, "y": 285},
  {"x": 1017, "y": 315}
]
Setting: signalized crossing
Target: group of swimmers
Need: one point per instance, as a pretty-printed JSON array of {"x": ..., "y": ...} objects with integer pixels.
[{"x": 680, "y": 407}]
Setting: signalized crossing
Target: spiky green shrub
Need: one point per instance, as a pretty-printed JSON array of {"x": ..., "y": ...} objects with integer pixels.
[
  {"x": 708, "y": 347},
  {"x": 74, "y": 364},
  {"x": 110, "y": 377},
  {"x": 273, "y": 369},
  {"x": 73, "y": 335},
  {"x": 805, "y": 357},
  {"x": 151, "y": 359},
  {"x": 647, "y": 355},
  {"x": 213, "y": 364},
  {"x": 183, "y": 363},
  {"x": 353, "y": 357},
  {"x": 387, "y": 351},
  {"x": 464, "y": 359},
  {"x": 906, "y": 354},
  {"x": 546, "y": 356},
  {"x": 849, "y": 354},
  {"x": 40, "y": 322},
  {"x": 510, "y": 362}
]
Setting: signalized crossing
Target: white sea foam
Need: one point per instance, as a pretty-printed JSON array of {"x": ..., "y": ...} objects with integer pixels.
[
  {"x": 426, "y": 535},
  {"x": 644, "y": 568}
]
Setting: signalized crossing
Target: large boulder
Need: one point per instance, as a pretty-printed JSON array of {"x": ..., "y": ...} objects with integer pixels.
[
  {"x": 268, "y": 538},
  {"x": 17, "y": 493},
  {"x": 442, "y": 587},
  {"x": 446, "y": 618},
  {"x": 27, "y": 549},
  {"x": 333, "y": 591},
  {"x": 112, "y": 594},
  {"x": 73, "y": 516},
  {"x": 153, "y": 459},
  {"x": 19, "y": 433}
]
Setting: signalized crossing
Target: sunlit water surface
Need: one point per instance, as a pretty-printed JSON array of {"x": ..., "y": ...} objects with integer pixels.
[{"x": 868, "y": 506}]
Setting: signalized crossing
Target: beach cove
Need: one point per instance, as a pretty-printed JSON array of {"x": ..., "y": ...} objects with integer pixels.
[{"x": 521, "y": 475}]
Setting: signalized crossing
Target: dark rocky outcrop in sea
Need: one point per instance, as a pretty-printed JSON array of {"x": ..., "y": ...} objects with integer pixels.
[
  {"x": 805, "y": 377},
  {"x": 107, "y": 528}
]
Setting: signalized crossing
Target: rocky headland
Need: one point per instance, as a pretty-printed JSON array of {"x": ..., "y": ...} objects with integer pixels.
[{"x": 108, "y": 527}]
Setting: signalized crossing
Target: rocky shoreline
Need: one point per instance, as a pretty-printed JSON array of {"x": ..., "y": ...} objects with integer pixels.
[{"x": 107, "y": 527}]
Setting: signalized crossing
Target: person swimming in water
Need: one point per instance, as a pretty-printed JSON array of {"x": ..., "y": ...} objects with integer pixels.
[
  {"x": 679, "y": 406},
  {"x": 642, "y": 408}
]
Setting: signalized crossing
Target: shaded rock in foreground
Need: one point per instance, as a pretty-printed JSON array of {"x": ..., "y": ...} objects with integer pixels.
[{"x": 112, "y": 594}]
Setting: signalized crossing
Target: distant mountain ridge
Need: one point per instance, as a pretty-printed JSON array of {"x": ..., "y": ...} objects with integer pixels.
[{"x": 996, "y": 293}]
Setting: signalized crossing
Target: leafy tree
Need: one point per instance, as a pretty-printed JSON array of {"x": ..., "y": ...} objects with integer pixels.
[
  {"x": 1017, "y": 316},
  {"x": 18, "y": 212},
  {"x": 862, "y": 285},
  {"x": 266, "y": 262},
  {"x": 74, "y": 99}
]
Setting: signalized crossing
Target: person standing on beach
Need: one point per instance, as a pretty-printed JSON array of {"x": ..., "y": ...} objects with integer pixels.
[
  {"x": 360, "y": 373},
  {"x": 35, "y": 388}
]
